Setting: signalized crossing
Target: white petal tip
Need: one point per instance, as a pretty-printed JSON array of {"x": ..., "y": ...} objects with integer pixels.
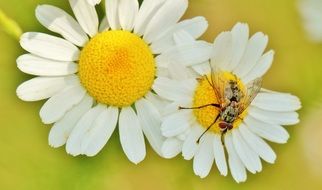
[
  {"x": 224, "y": 173},
  {"x": 37, "y": 8},
  {"x": 72, "y": 154},
  {"x": 136, "y": 162},
  {"x": 20, "y": 94},
  {"x": 45, "y": 120},
  {"x": 202, "y": 176},
  {"x": 165, "y": 153},
  {"x": 91, "y": 154},
  {"x": 40, "y": 6},
  {"x": 187, "y": 158},
  {"x": 272, "y": 161},
  {"x": 241, "y": 180},
  {"x": 242, "y": 24},
  {"x": 168, "y": 156},
  {"x": 70, "y": 150},
  {"x": 54, "y": 145},
  {"x": 165, "y": 134}
]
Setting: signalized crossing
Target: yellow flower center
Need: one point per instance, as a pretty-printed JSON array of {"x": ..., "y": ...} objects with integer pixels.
[
  {"x": 117, "y": 68},
  {"x": 205, "y": 94}
]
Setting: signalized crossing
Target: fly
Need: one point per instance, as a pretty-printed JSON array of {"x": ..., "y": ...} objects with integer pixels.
[{"x": 232, "y": 100}]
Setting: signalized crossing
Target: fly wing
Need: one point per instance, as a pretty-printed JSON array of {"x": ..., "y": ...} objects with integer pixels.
[
  {"x": 219, "y": 83},
  {"x": 252, "y": 89}
]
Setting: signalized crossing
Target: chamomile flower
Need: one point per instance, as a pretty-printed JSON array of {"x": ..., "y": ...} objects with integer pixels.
[
  {"x": 311, "y": 12},
  {"x": 98, "y": 76},
  {"x": 225, "y": 112}
]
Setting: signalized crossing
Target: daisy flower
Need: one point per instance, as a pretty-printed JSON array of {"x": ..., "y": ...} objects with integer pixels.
[
  {"x": 98, "y": 76},
  {"x": 199, "y": 124},
  {"x": 311, "y": 12}
]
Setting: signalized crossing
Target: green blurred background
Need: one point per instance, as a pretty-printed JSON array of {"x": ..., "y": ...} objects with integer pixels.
[{"x": 28, "y": 163}]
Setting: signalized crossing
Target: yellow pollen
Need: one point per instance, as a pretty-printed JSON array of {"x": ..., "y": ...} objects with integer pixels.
[
  {"x": 204, "y": 94},
  {"x": 117, "y": 68}
]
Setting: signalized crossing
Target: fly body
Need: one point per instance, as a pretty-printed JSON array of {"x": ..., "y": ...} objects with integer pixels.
[{"x": 232, "y": 99}]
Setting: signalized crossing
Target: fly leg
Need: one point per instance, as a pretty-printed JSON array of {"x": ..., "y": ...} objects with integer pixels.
[
  {"x": 199, "y": 107},
  {"x": 222, "y": 138},
  {"x": 210, "y": 83},
  {"x": 208, "y": 128}
]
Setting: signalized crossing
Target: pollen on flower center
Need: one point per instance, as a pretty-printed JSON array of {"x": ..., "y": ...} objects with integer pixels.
[
  {"x": 204, "y": 95},
  {"x": 117, "y": 68}
]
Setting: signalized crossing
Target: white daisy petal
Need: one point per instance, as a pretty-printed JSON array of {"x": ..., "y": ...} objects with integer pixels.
[
  {"x": 35, "y": 65},
  {"x": 128, "y": 10},
  {"x": 186, "y": 54},
  {"x": 40, "y": 88},
  {"x": 176, "y": 123},
  {"x": 131, "y": 135},
  {"x": 86, "y": 16},
  {"x": 222, "y": 51},
  {"x": 261, "y": 67},
  {"x": 74, "y": 142},
  {"x": 311, "y": 15},
  {"x": 150, "y": 120},
  {"x": 202, "y": 69},
  {"x": 178, "y": 72},
  {"x": 61, "y": 130},
  {"x": 271, "y": 132},
  {"x": 171, "y": 147},
  {"x": 280, "y": 102},
  {"x": 219, "y": 154},
  {"x": 93, "y": 2},
  {"x": 257, "y": 144},
  {"x": 59, "y": 21},
  {"x": 270, "y": 91},
  {"x": 314, "y": 29},
  {"x": 147, "y": 11},
  {"x": 56, "y": 107},
  {"x": 255, "y": 48},
  {"x": 240, "y": 35},
  {"x": 162, "y": 72},
  {"x": 204, "y": 157},
  {"x": 173, "y": 107},
  {"x": 112, "y": 9},
  {"x": 104, "y": 25},
  {"x": 182, "y": 37},
  {"x": 165, "y": 17},
  {"x": 280, "y": 118},
  {"x": 245, "y": 153},
  {"x": 184, "y": 135},
  {"x": 189, "y": 85},
  {"x": 236, "y": 166},
  {"x": 100, "y": 131},
  {"x": 157, "y": 101},
  {"x": 194, "y": 27},
  {"x": 190, "y": 145},
  {"x": 173, "y": 90},
  {"x": 48, "y": 46}
]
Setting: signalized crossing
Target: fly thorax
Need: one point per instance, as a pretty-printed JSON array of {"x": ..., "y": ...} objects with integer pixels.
[{"x": 229, "y": 114}]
